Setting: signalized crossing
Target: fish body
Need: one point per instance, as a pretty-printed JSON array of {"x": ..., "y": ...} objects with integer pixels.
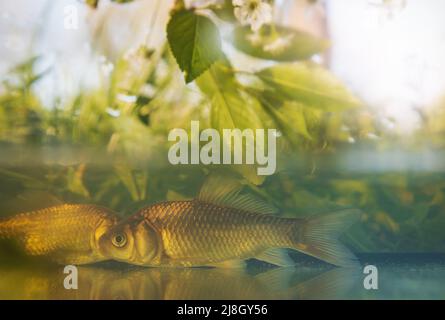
[
  {"x": 223, "y": 229},
  {"x": 198, "y": 233},
  {"x": 194, "y": 233},
  {"x": 66, "y": 234}
]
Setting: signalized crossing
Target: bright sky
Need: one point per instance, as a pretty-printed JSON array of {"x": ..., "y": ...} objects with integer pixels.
[{"x": 392, "y": 55}]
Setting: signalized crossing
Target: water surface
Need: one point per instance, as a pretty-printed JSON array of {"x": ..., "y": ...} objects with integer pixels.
[{"x": 400, "y": 277}]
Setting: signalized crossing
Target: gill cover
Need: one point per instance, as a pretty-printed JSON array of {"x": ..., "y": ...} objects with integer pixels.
[{"x": 147, "y": 243}]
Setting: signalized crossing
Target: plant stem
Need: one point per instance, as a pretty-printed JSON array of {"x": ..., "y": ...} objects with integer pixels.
[{"x": 153, "y": 22}]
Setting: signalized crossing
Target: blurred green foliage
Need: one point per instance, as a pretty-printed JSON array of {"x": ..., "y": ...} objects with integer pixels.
[{"x": 108, "y": 145}]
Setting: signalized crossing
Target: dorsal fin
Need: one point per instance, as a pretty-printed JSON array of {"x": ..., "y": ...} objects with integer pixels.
[
  {"x": 40, "y": 197},
  {"x": 225, "y": 191},
  {"x": 31, "y": 200},
  {"x": 218, "y": 189}
]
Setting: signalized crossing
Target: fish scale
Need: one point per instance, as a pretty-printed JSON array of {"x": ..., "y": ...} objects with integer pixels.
[
  {"x": 64, "y": 233},
  {"x": 192, "y": 230}
]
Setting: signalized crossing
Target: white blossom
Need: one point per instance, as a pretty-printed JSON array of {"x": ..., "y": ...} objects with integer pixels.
[
  {"x": 253, "y": 12},
  {"x": 391, "y": 7}
]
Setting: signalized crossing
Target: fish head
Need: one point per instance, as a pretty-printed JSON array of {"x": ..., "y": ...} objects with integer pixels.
[{"x": 135, "y": 242}]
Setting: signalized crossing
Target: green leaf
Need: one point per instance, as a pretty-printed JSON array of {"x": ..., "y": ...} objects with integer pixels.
[
  {"x": 293, "y": 119},
  {"x": 224, "y": 11},
  {"x": 279, "y": 43},
  {"x": 27, "y": 66},
  {"x": 92, "y": 3},
  {"x": 134, "y": 180},
  {"x": 122, "y": 1},
  {"x": 75, "y": 181},
  {"x": 288, "y": 116},
  {"x": 309, "y": 84},
  {"x": 230, "y": 108},
  {"x": 194, "y": 41}
]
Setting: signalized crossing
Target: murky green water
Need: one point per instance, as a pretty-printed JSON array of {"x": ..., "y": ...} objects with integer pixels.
[{"x": 403, "y": 215}]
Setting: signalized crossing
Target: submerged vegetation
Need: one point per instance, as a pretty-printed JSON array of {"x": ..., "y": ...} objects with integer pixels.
[{"x": 108, "y": 144}]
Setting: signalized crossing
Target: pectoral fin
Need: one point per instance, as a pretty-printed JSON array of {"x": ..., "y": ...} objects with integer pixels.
[
  {"x": 230, "y": 264},
  {"x": 278, "y": 257}
]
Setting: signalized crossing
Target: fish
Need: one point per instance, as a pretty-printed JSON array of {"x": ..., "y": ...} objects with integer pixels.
[
  {"x": 224, "y": 227},
  {"x": 65, "y": 234}
]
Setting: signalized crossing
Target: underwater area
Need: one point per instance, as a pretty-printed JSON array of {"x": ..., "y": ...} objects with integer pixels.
[
  {"x": 87, "y": 104},
  {"x": 401, "y": 233}
]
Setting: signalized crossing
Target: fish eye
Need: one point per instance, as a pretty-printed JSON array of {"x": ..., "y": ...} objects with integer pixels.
[{"x": 119, "y": 240}]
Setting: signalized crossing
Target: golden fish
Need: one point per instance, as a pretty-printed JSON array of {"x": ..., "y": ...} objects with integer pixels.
[
  {"x": 66, "y": 234},
  {"x": 222, "y": 227}
]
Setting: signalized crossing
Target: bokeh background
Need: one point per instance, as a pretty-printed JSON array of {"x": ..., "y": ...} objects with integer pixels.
[{"x": 84, "y": 114}]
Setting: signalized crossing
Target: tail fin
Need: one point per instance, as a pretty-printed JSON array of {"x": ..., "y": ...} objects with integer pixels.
[{"x": 320, "y": 234}]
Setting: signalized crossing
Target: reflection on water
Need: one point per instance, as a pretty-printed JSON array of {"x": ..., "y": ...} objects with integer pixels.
[
  {"x": 116, "y": 281},
  {"x": 156, "y": 283}
]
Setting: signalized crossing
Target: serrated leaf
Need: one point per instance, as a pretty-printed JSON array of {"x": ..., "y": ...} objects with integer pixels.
[
  {"x": 288, "y": 116},
  {"x": 309, "y": 84},
  {"x": 230, "y": 109},
  {"x": 279, "y": 44},
  {"x": 194, "y": 41},
  {"x": 293, "y": 119}
]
